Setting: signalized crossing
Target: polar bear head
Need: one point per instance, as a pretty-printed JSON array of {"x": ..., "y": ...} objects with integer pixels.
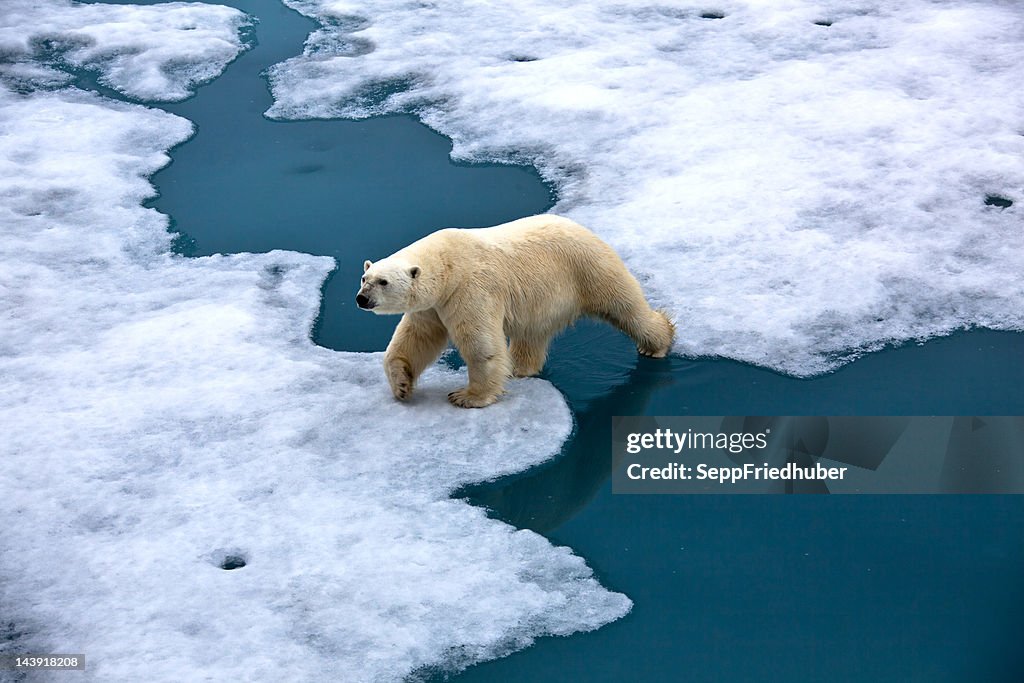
[{"x": 393, "y": 285}]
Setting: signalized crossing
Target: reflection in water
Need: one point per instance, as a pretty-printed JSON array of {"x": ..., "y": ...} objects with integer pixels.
[
  {"x": 805, "y": 440},
  {"x": 603, "y": 376}
]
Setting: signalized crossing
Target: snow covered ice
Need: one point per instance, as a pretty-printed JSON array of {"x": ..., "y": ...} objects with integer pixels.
[
  {"x": 166, "y": 419},
  {"x": 149, "y": 53},
  {"x": 796, "y": 182}
]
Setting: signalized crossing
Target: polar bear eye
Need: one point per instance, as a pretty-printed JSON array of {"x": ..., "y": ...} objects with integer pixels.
[{"x": 383, "y": 283}]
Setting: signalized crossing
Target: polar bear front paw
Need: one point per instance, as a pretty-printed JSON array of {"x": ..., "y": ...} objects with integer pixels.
[
  {"x": 400, "y": 379},
  {"x": 464, "y": 399}
]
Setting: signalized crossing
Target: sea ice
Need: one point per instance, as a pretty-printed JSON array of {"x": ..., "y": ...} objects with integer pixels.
[
  {"x": 189, "y": 488},
  {"x": 795, "y": 182},
  {"x": 146, "y": 52}
]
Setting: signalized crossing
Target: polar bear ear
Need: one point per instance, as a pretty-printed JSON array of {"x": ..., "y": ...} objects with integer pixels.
[
  {"x": 414, "y": 272},
  {"x": 366, "y": 265}
]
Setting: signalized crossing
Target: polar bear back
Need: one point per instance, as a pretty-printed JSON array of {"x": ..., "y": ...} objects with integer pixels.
[{"x": 544, "y": 271}]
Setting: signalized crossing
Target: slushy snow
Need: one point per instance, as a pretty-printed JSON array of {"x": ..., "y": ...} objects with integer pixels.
[
  {"x": 796, "y": 182},
  {"x": 166, "y": 420}
]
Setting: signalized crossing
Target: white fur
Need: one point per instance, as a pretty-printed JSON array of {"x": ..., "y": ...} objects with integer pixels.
[{"x": 500, "y": 294}]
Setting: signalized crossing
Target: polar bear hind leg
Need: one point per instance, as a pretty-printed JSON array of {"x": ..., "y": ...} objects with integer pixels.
[
  {"x": 528, "y": 354},
  {"x": 650, "y": 330},
  {"x": 628, "y": 310}
]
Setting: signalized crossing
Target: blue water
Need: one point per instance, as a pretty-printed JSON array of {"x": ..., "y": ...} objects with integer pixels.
[{"x": 726, "y": 588}]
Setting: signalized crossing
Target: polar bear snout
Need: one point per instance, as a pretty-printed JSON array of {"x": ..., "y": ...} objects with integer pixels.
[{"x": 364, "y": 302}]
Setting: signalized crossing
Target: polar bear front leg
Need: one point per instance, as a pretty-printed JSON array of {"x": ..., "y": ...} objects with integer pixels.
[
  {"x": 418, "y": 340},
  {"x": 483, "y": 347}
]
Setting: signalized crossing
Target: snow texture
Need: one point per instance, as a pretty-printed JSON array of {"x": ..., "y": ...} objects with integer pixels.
[
  {"x": 154, "y": 53},
  {"x": 167, "y": 420},
  {"x": 797, "y": 182}
]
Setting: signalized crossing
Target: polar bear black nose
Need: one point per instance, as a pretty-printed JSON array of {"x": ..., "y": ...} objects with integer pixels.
[{"x": 363, "y": 302}]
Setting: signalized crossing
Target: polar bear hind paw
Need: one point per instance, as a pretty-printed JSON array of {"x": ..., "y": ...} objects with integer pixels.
[{"x": 656, "y": 340}]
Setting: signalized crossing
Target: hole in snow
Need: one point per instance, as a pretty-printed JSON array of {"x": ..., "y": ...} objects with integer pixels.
[
  {"x": 232, "y": 562},
  {"x": 996, "y": 200}
]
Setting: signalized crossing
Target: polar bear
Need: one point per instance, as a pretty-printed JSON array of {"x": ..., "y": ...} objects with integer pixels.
[{"x": 522, "y": 282}]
